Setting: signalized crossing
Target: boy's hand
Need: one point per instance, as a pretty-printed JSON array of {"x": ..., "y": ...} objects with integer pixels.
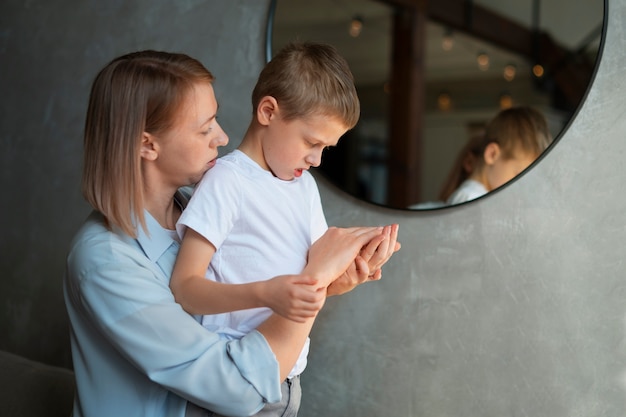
[
  {"x": 295, "y": 297},
  {"x": 355, "y": 275}
]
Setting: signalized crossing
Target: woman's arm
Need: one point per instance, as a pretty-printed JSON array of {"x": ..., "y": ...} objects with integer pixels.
[{"x": 129, "y": 331}]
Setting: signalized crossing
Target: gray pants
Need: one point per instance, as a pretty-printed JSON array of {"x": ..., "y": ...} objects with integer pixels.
[{"x": 287, "y": 407}]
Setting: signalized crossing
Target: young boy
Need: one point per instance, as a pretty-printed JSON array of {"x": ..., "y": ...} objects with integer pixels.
[
  {"x": 258, "y": 211},
  {"x": 513, "y": 139}
]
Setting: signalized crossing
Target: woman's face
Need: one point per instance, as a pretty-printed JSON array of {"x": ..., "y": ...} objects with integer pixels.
[
  {"x": 503, "y": 169},
  {"x": 189, "y": 148}
]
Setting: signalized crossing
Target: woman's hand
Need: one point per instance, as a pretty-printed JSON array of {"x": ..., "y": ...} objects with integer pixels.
[
  {"x": 332, "y": 254},
  {"x": 367, "y": 266},
  {"x": 376, "y": 255},
  {"x": 295, "y": 297}
]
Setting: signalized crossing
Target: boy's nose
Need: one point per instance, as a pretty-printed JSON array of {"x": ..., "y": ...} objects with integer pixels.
[{"x": 315, "y": 159}]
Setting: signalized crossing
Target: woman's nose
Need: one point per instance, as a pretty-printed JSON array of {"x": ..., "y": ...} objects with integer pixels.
[{"x": 221, "y": 139}]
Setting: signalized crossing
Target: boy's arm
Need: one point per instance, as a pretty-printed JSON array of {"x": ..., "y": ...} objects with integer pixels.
[
  {"x": 329, "y": 256},
  {"x": 293, "y": 297}
]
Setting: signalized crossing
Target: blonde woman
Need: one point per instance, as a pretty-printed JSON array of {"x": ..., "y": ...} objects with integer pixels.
[{"x": 151, "y": 130}]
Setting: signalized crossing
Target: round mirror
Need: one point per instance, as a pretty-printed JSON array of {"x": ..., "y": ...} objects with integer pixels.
[{"x": 430, "y": 78}]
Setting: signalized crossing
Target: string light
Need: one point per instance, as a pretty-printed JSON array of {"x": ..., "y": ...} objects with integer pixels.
[
  {"x": 444, "y": 101},
  {"x": 356, "y": 25},
  {"x": 483, "y": 61},
  {"x": 447, "y": 42},
  {"x": 538, "y": 70},
  {"x": 506, "y": 101},
  {"x": 509, "y": 72}
]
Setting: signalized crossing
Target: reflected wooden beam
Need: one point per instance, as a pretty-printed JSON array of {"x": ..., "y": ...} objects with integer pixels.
[
  {"x": 570, "y": 73},
  {"x": 405, "y": 151}
]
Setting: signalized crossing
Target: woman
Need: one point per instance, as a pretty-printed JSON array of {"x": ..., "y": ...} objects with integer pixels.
[{"x": 151, "y": 129}]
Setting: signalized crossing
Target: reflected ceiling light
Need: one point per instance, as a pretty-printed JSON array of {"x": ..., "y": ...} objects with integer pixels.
[
  {"x": 483, "y": 61},
  {"x": 356, "y": 25},
  {"x": 538, "y": 70},
  {"x": 447, "y": 42},
  {"x": 506, "y": 101},
  {"x": 444, "y": 101},
  {"x": 509, "y": 72}
]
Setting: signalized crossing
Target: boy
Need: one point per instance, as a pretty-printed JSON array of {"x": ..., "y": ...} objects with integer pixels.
[{"x": 258, "y": 212}]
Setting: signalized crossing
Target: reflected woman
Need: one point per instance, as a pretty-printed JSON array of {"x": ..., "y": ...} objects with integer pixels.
[{"x": 513, "y": 139}]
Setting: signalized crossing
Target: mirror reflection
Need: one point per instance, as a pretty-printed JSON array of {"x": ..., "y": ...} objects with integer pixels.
[{"x": 432, "y": 80}]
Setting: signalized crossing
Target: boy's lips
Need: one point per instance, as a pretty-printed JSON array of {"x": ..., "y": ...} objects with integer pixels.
[{"x": 297, "y": 172}]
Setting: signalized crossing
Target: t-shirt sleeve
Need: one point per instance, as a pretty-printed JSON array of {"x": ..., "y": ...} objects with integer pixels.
[
  {"x": 318, "y": 220},
  {"x": 214, "y": 206}
]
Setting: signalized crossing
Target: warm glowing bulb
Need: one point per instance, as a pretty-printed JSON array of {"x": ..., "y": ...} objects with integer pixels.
[
  {"x": 447, "y": 42},
  {"x": 538, "y": 70},
  {"x": 356, "y": 25},
  {"x": 444, "y": 101},
  {"x": 509, "y": 72},
  {"x": 506, "y": 101},
  {"x": 483, "y": 61}
]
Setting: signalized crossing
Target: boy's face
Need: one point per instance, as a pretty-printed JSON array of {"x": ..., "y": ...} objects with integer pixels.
[{"x": 291, "y": 147}]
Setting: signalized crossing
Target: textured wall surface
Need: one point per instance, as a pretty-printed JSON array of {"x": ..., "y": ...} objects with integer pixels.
[
  {"x": 512, "y": 305},
  {"x": 49, "y": 54}
]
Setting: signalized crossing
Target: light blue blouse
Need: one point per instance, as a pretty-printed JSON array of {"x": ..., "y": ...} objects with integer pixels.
[{"x": 136, "y": 352}]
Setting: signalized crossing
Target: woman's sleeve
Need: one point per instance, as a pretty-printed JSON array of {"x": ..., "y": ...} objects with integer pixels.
[{"x": 128, "y": 300}]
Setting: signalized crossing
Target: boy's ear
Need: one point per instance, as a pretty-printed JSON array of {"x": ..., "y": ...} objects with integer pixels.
[
  {"x": 492, "y": 153},
  {"x": 266, "y": 110},
  {"x": 149, "y": 148}
]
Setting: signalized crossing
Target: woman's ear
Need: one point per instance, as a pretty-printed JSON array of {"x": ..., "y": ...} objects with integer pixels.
[
  {"x": 492, "y": 153},
  {"x": 266, "y": 110},
  {"x": 149, "y": 148}
]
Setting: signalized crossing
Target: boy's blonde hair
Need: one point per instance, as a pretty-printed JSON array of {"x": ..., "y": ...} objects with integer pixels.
[
  {"x": 309, "y": 79},
  {"x": 135, "y": 93},
  {"x": 519, "y": 129}
]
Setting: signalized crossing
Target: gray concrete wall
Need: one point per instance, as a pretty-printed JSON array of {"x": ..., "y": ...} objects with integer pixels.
[
  {"x": 49, "y": 54},
  {"x": 512, "y": 305}
]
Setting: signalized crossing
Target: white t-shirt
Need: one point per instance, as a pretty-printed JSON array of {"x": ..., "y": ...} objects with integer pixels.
[
  {"x": 468, "y": 190},
  {"x": 261, "y": 226}
]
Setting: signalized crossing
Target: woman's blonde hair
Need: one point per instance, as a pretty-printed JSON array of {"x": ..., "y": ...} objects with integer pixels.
[
  {"x": 519, "y": 129},
  {"x": 309, "y": 79},
  {"x": 135, "y": 93}
]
